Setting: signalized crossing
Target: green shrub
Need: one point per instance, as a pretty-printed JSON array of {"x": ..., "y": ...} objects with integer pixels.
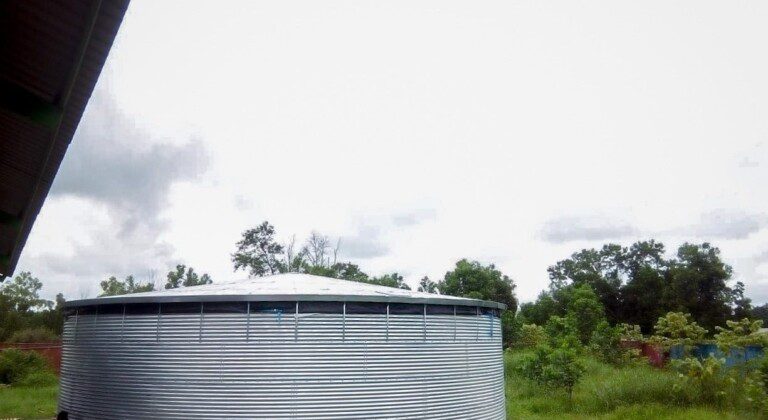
[
  {"x": 562, "y": 370},
  {"x": 585, "y": 311},
  {"x": 606, "y": 346},
  {"x": 740, "y": 334},
  {"x": 33, "y": 335},
  {"x": 40, "y": 378},
  {"x": 562, "y": 332},
  {"x": 532, "y": 335},
  {"x": 16, "y": 366},
  {"x": 630, "y": 332},
  {"x": 707, "y": 380},
  {"x": 511, "y": 329},
  {"x": 531, "y": 366},
  {"x": 676, "y": 328},
  {"x": 556, "y": 368}
]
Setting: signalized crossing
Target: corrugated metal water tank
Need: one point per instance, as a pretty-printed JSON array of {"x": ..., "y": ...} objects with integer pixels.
[{"x": 285, "y": 346}]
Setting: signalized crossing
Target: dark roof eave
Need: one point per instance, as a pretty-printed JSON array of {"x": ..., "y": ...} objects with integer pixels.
[{"x": 278, "y": 298}]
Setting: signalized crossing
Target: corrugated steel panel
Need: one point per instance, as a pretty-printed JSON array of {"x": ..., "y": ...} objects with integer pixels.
[{"x": 282, "y": 365}]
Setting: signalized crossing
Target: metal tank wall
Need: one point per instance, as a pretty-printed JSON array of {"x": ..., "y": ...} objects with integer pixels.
[{"x": 266, "y": 360}]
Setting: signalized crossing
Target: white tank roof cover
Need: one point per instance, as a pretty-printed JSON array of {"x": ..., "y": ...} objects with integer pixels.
[{"x": 289, "y": 286}]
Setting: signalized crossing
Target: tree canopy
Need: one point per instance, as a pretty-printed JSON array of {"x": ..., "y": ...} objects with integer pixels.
[
  {"x": 477, "y": 281},
  {"x": 638, "y": 284},
  {"x": 112, "y": 286},
  {"x": 185, "y": 276}
]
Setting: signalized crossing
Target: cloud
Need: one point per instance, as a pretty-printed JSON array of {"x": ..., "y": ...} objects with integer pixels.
[
  {"x": 746, "y": 162},
  {"x": 726, "y": 224},
  {"x": 366, "y": 243},
  {"x": 114, "y": 166},
  {"x": 761, "y": 257},
  {"x": 592, "y": 228},
  {"x": 413, "y": 217},
  {"x": 111, "y": 162}
]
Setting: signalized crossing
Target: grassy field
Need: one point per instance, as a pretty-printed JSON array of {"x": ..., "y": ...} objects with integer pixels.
[
  {"x": 605, "y": 392},
  {"x": 28, "y": 402}
]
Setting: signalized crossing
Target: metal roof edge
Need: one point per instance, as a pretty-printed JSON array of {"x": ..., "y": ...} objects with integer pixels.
[{"x": 437, "y": 300}]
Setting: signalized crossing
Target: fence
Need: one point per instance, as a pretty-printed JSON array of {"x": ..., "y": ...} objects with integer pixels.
[{"x": 51, "y": 351}]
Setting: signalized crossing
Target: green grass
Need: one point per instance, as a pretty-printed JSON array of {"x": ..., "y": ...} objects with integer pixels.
[
  {"x": 606, "y": 392},
  {"x": 28, "y": 402}
]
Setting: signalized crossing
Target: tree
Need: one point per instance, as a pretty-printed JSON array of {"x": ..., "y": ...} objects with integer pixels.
[
  {"x": 349, "y": 271},
  {"x": 643, "y": 298},
  {"x": 586, "y": 311},
  {"x": 474, "y": 280},
  {"x": 557, "y": 368},
  {"x": 318, "y": 251},
  {"x": 389, "y": 280},
  {"x": 427, "y": 286},
  {"x": 563, "y": 370},
  {"x": 113, "y": 286},
  {"x": 540, "y": 311},
  {"x": 562, "y": 332},
  {"x": 185, "y": 277},
  {"x": 532, "y": 335},
  {"x": 258, "y": 252},
  {"x": 740, "y": 334},
  {"x": 23, "y": 293},
  {"x": 601, "y": 270},
  {"x": 742, "y": 305},
  {"x": 512, "y": 329},
  {"x": 698, "y": 284},
  {"x": 761, "y": 312},
  {"x": 676, "y": 328}
]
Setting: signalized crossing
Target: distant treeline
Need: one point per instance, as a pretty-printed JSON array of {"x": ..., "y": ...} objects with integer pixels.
[{"x": 634, "y": 285}]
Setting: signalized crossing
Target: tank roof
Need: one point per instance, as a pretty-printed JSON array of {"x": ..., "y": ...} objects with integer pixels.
[{"x": 287, "y": 287}]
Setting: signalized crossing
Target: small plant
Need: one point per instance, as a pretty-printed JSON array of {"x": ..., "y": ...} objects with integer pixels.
[
  {"x": 630, "y": 332},
  {"x": 17, "y": 365},
  {"x": 707, "y": 379},
  {"x": 606, "y": 345},
  {"x": 532, "y": 335},
  {"x": 563, "y": 370},
  {"x": 562, "y": 332},
  {"x": 740, "y": 334},
  {"x": 531, "y": 366},
  {"x": 33, "y": 335},
  {"x": 677, "y": 328},
  {"x": 511, "y": 328},
  {"x": 556, "y": 368}
]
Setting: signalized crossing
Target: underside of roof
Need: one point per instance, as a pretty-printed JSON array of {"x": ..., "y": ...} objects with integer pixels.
[{"x": 51, "y": 55}]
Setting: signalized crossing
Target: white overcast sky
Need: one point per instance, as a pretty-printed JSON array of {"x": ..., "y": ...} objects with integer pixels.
[{"x": 418, "y": 132}]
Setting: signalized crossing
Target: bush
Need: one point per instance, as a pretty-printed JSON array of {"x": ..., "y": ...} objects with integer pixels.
[
  {"x": 556, "y": 368},
  {"x": 630, "y": 332},
  {"x": 531, "y": 366},
  {"x": 511, "y": 329},
  {"x": 710, "y": 382},
  {"x": 706, "y": 379},
  {"x": 677, "y": 328},
  {"x": 562, "y": 332},
  {"x": 740, "y": 334},
  {"x": 586, "y": 311},
  {"x": 532, "y": 335},
  {"x": 33, "y": 335},
  {"x": 17, "y": 366},
  {"x": 563, "y": 370},
  {"x": 41, "y": 378},
  {"x": 606, "y": 346}
]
